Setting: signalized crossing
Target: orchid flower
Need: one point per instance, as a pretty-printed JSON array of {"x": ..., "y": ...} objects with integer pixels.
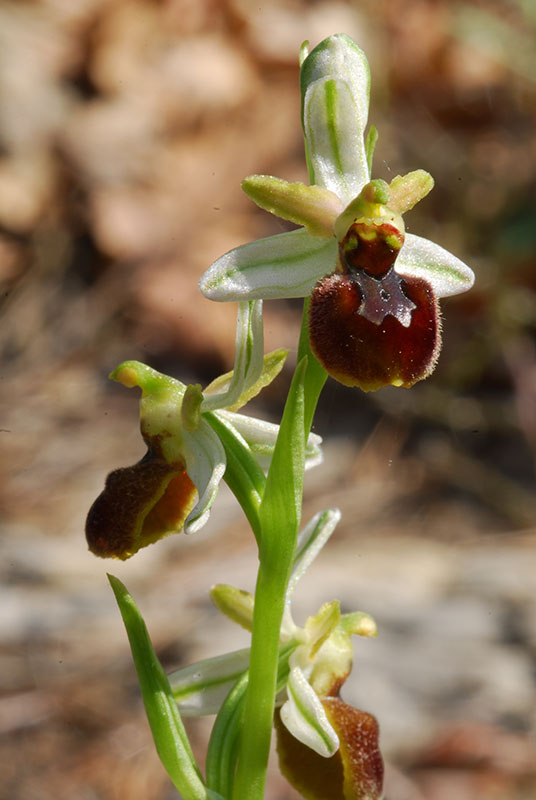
[
  {"x": 316, "y": 660},
  {"x": 373, "y": 289},
  {"x": 173, "y": 487}
]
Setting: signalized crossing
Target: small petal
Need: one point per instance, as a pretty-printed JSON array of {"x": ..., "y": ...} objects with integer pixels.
[
  {"x": 407, "y": 190},
  {"x": 335, "y": 85},
  {"x": 311, "y": 206},
  {"x": 286, "y": 265},
  {"x": 151, "y": 382},
  {"x": 205, "y": 463},
  {"x": 304, "y": 716},
  {"x": 445, "y": 273},
  {"x": 201, "y": 688}
]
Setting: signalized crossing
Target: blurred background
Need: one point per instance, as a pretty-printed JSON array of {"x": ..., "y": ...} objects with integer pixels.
[{"x": 125, "y": 129}]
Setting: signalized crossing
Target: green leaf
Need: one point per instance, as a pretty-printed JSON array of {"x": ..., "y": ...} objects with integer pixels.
[
  {"x": 243, "y": 475},
  {"x": 224, "y": 741},
  {"x": 168, "y": 731},
  {"x": 280, "y": 510},
  {"x": 261, "y": 437}
]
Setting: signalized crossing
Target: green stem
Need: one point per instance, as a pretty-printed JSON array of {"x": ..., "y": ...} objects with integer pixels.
[
  {"x": 223, "y": 747},
  {"x": 259, "y": 712},
  {"x": 280, "y": 514}
]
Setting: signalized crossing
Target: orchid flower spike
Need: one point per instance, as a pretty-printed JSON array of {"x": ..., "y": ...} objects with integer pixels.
[
  {"x": 174, "y": 485},
  {"x": 374, "y": 317},
  {"x": 326, "y": 747}
]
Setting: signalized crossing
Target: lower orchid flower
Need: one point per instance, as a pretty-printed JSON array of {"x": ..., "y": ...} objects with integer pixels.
[
  {"x": 327, "y": 749},
  {"x": 374, "y": 317},
  {"x": 174, "y": 485}
]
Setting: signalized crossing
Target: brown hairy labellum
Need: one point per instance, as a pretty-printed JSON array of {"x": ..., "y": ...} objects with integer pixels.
[
  {"x": 139, "y": 505},
  {"x": 369, "y": 326},
  {"x": 360, "y": 352}
]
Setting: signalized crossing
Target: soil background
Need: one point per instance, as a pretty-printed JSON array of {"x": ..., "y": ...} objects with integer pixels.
[{"x": 125, "y": 129}]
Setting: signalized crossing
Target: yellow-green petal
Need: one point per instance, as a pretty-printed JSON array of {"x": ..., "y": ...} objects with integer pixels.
[{"x": 313, "y": 207}]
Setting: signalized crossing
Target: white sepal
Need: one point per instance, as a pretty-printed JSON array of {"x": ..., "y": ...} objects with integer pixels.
[
  {"x": 422, "y": 258},
  {"x": 285, "y": 265},
  {"x": 201, "y": 688},
  {"x": 205, "y": 464},
  {"x": 304, "y": 716},
  {"x": 335, "y": 139},
  {"x": 335, "y": 83}
]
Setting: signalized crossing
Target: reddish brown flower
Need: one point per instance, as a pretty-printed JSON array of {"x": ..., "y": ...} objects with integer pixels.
[{"x": 370, "y": 326}]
